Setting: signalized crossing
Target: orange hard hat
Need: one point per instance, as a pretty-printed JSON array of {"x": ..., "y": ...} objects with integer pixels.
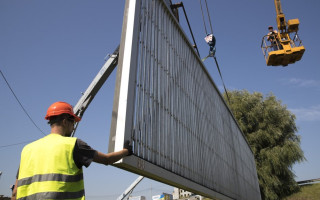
[{"x": 59, "y": 108}]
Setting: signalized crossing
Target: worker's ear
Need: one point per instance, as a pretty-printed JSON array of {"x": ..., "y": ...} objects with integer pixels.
[{"x": 64, "y": 122}]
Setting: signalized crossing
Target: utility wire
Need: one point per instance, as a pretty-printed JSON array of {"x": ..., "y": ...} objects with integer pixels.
[
  {"x": 9, "y": 145},
  {"x": 21, "y": 104}
]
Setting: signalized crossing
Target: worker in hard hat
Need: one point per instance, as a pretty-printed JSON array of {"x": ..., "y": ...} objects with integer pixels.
[
  {"x": 51, "y": 167},
  {"x": 273, "y": 38}
]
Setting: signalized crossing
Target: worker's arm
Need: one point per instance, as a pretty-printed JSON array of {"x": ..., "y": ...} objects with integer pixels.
[
  {"x": 268, "y": 36},
  {"x": 110, "y": 158},
  {"x": 113, "y": 157},
  {"x": 14, "y": 191}
]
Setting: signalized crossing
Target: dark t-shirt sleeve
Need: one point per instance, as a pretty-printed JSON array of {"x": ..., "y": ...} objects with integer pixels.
[{"x": 83, "y": 154}]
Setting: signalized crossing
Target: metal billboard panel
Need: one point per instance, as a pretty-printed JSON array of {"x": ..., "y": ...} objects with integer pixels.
[{"x": 166, "y": 103}]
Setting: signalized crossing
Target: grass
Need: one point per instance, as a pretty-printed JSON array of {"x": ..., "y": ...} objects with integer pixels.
[{"x": 307, "y": 192}]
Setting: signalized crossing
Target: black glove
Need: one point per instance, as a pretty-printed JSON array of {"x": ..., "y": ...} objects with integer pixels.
[{"x": 127, "y": 145}]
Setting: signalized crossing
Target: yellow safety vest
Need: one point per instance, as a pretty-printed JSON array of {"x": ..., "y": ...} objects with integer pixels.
[{"x": 48, "y": 171}]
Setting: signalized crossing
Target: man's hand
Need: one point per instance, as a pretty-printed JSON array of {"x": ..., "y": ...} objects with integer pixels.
[
  {"x": 127, "y": 145},
  {"x": 14, "y": 191}
]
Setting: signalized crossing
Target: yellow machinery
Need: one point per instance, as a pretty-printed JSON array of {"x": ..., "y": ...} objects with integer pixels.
[{"x": 287, "y": 48}]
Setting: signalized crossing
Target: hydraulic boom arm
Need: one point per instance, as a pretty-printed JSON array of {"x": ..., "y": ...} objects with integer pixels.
[
  {"x": 95, "y": 86},
  {"x": 130, "y": 188},
  {"x": 91, "y": 92},
  {"x": 281, "y": 22}
]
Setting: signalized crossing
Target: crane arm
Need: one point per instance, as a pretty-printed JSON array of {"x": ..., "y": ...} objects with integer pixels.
[
  {"x": 281, "y": 22},
  {"x": 130, "y": 188},
  {"x": 278, "y": 7},
  {"x": 95, "y": 86}
]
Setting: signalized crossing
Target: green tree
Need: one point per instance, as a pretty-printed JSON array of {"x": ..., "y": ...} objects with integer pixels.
[{"x": 271, "y": 132}]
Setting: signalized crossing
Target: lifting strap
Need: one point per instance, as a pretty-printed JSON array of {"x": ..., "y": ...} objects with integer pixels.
[
  {"x": 224, "y": 86},
  {"x": 212, "y": 46},
  {"x": 215, "y": 59}
]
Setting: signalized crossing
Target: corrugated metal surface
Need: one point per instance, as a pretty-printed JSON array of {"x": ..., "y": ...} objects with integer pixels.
[{"x": 180, "y": 120}]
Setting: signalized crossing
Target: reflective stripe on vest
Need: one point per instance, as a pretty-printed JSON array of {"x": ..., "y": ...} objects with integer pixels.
[
  {"x": 55, "y": 195},
  {"x": 50, "y": 177},
  {"x": 47, "y": 170}
]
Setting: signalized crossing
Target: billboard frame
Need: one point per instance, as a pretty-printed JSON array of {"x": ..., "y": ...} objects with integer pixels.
[{"x": 123, "y": 111}]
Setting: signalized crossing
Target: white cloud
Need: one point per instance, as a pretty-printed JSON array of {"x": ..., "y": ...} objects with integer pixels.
[
  {"x": 307, "y": 114},
  {"x": 302, "y": 82}
]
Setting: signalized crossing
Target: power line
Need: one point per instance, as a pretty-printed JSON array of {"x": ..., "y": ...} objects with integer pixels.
[
  {"x": 9, "y": 145},
  {"x": 21, "y": 104}
]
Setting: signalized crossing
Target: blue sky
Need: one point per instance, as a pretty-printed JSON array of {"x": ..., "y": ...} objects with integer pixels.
[{"x": 51, "y": 50}]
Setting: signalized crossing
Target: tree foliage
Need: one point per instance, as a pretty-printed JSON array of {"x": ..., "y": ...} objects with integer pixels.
[{"x": 271, "y": 132}]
